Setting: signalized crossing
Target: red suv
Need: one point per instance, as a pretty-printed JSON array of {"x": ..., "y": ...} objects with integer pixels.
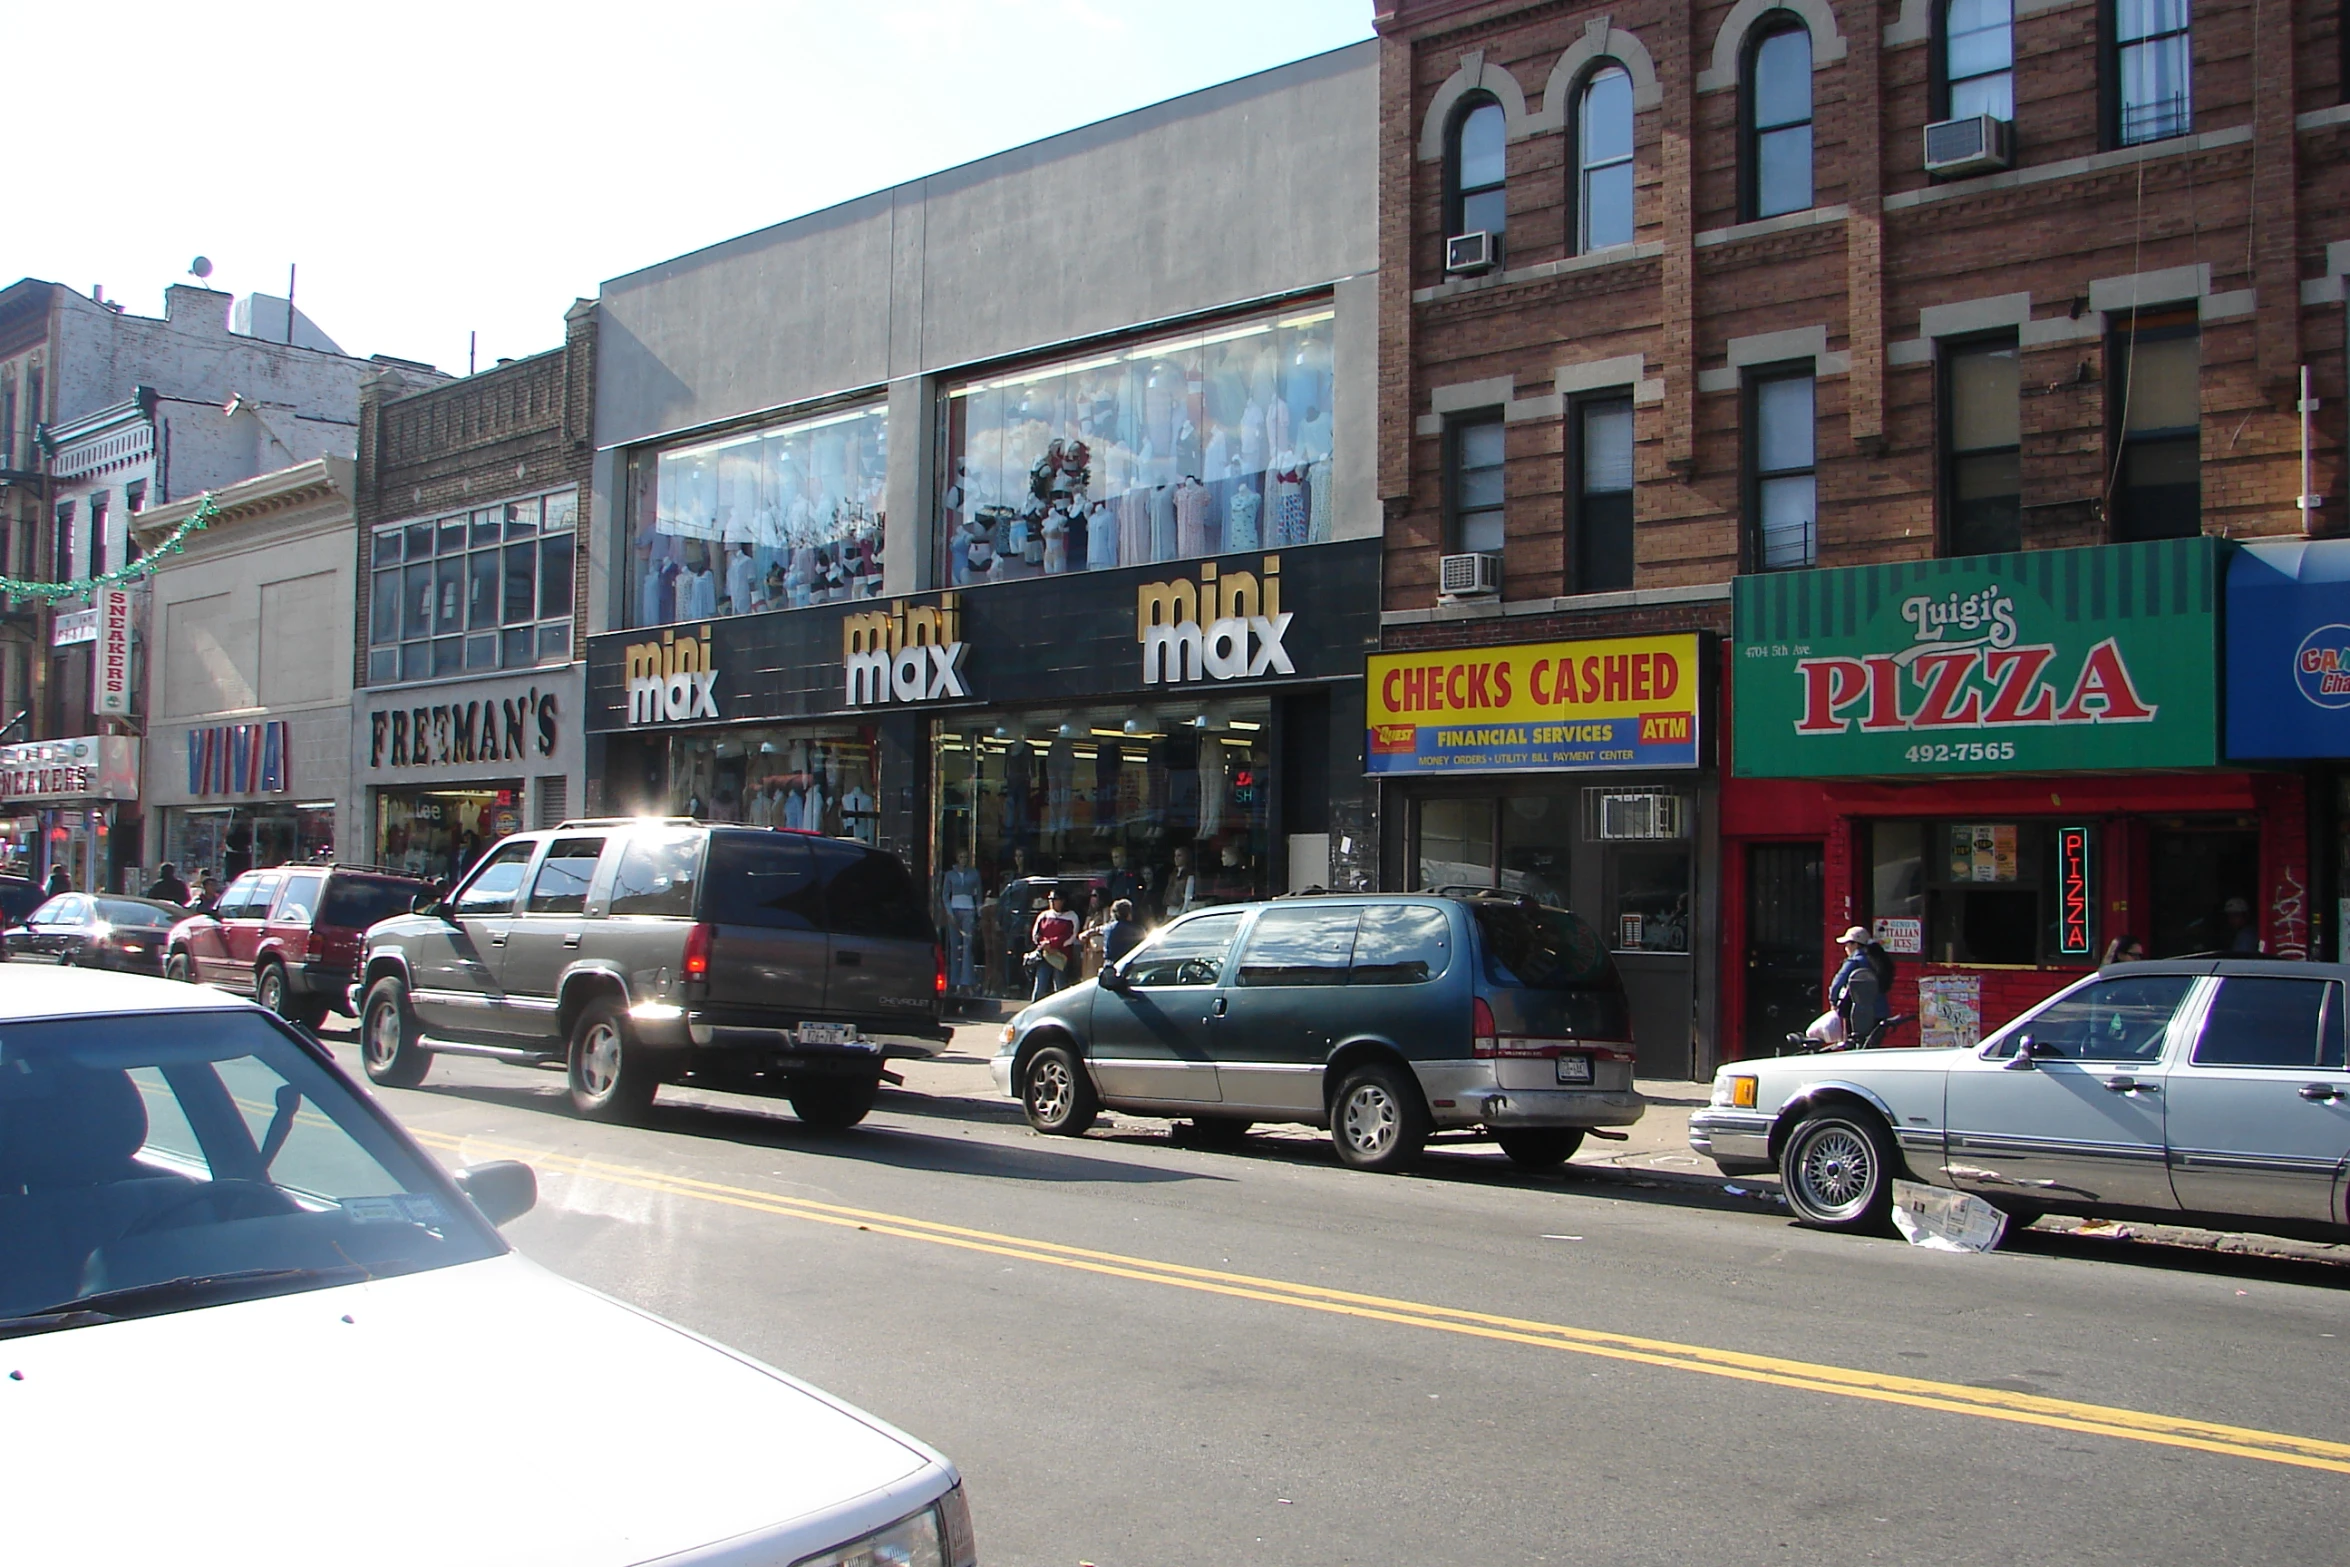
[{"x": 289, "y": 937}]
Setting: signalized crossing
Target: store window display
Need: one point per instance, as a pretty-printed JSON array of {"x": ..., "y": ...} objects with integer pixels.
[
  {"x": 439, "y": 833},
  {"x": 1970, "y": 892},
  {"x": 820, "y": 781},
  {"x": 233, "y": 839},
  {"x": 775, "y": 518},
  {"x": 1162, "y": 806},
  {"x": 1201, "y": 444}
]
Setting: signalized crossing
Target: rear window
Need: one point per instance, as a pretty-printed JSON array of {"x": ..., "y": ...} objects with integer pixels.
[
  {"x": 767, "y": 882},
  {"x": 657, "y": 876},
  {"x": 1529, "y": 947},
  {"x": 356, "y": 902},
  {"x": 142, "y": 916},
  {"x": 867, "y": 893}
]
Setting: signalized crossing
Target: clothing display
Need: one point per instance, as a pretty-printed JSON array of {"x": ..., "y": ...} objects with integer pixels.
[
  {"x": 1102, "y": 531},
  {"x": 1164, "y": 531},
  {"x": 1240, "y": 520},
  {"x": 1191, "y": 519},
  {"x": 1318, "y": 502}
]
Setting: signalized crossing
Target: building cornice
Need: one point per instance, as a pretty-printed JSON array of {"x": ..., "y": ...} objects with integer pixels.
[{"x": 251, "y": 500}]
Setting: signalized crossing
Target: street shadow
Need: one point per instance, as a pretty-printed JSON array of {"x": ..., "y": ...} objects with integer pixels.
[
  {"x": 751, "y": 1124},
  {"x": 2221, "y": 1260}
]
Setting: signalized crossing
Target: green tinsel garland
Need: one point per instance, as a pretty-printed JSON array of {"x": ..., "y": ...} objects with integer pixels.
[{"x": 121, "y": 576}]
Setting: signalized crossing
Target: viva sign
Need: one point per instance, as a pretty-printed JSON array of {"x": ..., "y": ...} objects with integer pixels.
[{"x": 2046, "y": 661}]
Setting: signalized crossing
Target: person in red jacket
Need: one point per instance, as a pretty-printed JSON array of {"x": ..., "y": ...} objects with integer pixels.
[{"x": 1054, "y": 936}]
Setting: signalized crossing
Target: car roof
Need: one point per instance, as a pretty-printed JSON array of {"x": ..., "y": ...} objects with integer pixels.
[
  {"x": 33, "y": 991},
  {"x": 2214, "y": 963}
]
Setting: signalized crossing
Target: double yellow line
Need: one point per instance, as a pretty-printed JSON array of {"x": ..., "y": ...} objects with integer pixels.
[{"x": 1803, "y": 1376}]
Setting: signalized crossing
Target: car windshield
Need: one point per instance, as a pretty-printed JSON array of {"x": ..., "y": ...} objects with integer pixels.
[
  {"x": 154, "y": 1163},
  {"x": 356, "y": 902},
  {"x": 119, "y": 912}
]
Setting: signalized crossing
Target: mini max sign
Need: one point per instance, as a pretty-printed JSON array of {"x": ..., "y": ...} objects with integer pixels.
[
  {"x": 674, "y": 680},
  {"x": 1227, "y": 627},
  {"x": 903, "y": 654}
]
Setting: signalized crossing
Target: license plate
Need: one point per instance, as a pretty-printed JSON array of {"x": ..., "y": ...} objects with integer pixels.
[
  {"x": 1574, "y": 1069},
  {"x": 827, "y": 1033}
]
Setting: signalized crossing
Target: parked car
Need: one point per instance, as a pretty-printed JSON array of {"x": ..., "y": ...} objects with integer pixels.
[
  {"x": 96, "y": 930},
  {"x": 19, "y": 897},
  {"x": 2206, "y": 1091},
  {"x": 642, "y": 952},
  {"x": 198, "y": 1202},
  {"x": 1382, "y": 1018},
  {"x": 289, "y": 937}
]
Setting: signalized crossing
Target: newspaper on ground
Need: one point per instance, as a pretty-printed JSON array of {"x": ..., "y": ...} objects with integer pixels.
[{"x": 1943, "y": 1220}]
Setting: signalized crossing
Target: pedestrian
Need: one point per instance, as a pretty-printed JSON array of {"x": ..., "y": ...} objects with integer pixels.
[
  {"x": 207, "y": 893},
  {"x": 1054, "y": 938},
  {"x": 1089, "y": 939},
  {"x": 1858, "y": 990},
  {"x": 2125, "y": 948},
  {"x": 60, "y": 881},
  {"x": 168, "y": 886},
  {"x": 2243, "y": 935},
  {"x": 1123, "y": 934}
]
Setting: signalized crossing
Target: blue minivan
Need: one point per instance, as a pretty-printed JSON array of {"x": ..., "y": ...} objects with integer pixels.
[{"x": 1384, "y": 1017}]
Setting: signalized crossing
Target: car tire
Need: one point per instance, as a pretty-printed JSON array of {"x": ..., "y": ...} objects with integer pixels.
[
  {"x": 1057, "y": 1096},
  {"x": 177, "y": 967},
  {"x": 1541, "y": 1148},
  {"x": 834, "y": 1104},
  {"x": 1837, "y": 1171},
  {"x": 1378, "y": 1121},
  {"x": 389, "y": 1046},
  {"x": 610, "y": 1074},
  {"x": 274, "y": 990}
]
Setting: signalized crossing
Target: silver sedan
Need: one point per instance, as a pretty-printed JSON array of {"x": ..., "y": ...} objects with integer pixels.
[{"x": 2210, "y": 1091}]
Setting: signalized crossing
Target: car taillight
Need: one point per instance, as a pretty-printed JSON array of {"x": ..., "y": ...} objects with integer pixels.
[
  {"x": 1485, "y": 1040},
  {"x": 938, "y": 970},
  {"x": 697, "y": 953}
]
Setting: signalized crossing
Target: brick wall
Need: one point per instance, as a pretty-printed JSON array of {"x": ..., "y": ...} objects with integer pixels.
[
  {"x": 519, "y": 429},
  {"x": 2254, "y": 195}
]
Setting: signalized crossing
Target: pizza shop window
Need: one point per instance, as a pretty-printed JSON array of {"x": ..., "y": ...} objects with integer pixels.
[{"x": 1982, "y": 892}]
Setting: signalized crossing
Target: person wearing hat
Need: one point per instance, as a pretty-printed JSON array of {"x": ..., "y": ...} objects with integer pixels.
[
  {"x": 2243, "y": 935},
  {"x": 1858, "y": 990}
]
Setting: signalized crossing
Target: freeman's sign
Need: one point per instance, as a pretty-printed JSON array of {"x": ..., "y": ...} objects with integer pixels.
[
  {"x": 448, "y": 734},
  {"x": 2096, "y": 658}
]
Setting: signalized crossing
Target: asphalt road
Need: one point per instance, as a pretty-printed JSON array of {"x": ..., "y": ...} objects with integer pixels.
[{"x": 1142, "y": 1352}]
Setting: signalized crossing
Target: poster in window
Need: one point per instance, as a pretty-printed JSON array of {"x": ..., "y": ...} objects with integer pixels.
[
  {"x": 1950, "y": 1011},
  {"x": 1904, "y": 937}
]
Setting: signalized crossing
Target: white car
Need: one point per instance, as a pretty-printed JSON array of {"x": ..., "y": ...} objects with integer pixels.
[{"x": 244, "y": 1319}]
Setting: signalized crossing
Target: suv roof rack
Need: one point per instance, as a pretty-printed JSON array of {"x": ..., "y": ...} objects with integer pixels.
[{"x": 629, "y": 821}]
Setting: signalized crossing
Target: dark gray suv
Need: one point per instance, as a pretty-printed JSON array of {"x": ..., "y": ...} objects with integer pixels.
[
  {"x": 642, "y": 952},
  {"x": 1384, "y": 1018}
]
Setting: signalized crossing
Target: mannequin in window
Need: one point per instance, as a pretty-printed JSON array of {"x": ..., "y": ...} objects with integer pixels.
[
  {"x": 1164, "y": 527},
  {"x": 959, "y": 893},
  {"x": 1241, "y": 512},
  {"x": 1191, "y": 519},
  {"x": 738, "y": 581},
  {"x": 1102, "y": 536},
  {"x": 697, "y": 592}
]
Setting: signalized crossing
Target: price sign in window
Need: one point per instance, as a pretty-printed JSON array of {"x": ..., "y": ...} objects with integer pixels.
[{"x": 2072, "y": 891}]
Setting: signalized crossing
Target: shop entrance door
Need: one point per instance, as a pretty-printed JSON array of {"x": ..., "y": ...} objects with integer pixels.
[
  {"x": 2206, "y": 891},
  {"x": 1784, "y": 943}
]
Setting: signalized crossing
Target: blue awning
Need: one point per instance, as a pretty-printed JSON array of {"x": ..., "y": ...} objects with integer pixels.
[{"x": 2288, "y": 650}]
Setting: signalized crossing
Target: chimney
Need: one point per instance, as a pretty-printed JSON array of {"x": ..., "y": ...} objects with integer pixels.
[{"x": 199, "y": 310}]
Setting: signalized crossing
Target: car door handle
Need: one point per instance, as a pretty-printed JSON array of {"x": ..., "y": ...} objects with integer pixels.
[
  {"x": 571, "y": 939},
  {"x": 498, "y": 940},
  {"x": 2132, "y": 1085},
  {"x": 1217, "y": 1010},
  {"x": 850, "y": 959},
  {"x": 2319, "y": 1093}
]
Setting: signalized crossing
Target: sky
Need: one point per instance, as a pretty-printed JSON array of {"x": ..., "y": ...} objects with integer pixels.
[{"x": 434, "y": 169}]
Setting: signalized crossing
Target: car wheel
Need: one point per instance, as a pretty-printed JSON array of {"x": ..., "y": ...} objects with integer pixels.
[
  {"x": 1837, "y": 1169},
  {"x": 177, "y": 967},
  {"x": 611, "y": 1078},
  {"x": 1057, "y": 1095},
  {"x": 388, "y": 1036},
  {"x": 1378, "y": 1121},
  {"x": 1541, "y": 1148},
  {"x": 834, "y": 1103}
]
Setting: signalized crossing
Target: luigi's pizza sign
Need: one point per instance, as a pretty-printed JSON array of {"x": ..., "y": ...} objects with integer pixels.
[{"x": 2043, "y": 661}]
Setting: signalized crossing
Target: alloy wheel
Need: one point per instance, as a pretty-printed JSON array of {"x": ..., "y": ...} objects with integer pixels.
[
  {"x": 1837, "y": 1170},
  {"x": 383, "y": 1036},
  {"x": 1369, "y": 1119},
  {"x": 599, "y": 1059},
  {"x": 1049, "y": 1088}
]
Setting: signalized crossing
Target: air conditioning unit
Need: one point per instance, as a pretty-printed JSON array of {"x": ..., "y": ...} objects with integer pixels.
[
  {"x": 1975, "y": 145},
  {"x": 1470, "y": 253},
  {"x": 1645, "y": 816},
  {"x": 1468, "y": 576}
]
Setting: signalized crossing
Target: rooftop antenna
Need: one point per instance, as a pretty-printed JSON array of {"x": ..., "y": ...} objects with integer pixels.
[
  {"x": 472, "y": 341},
  {"x": 201, "y": 268},
  {"x": 289, "y": 304}
]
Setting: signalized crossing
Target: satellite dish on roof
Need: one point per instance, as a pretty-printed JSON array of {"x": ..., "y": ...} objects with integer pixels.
[{"x": 201, "y": 267}]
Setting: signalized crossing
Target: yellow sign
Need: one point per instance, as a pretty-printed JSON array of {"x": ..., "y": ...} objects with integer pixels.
[{"x": 1621, "y": 702}]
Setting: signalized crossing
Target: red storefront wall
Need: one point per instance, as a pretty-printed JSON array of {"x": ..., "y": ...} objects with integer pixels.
[{"x": 1835, "y": 814}]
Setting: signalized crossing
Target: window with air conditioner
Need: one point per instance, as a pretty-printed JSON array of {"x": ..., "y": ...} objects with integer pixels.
[
  {"x": 1473, "y": 483},
  {"x": 1476, "y": 168}
]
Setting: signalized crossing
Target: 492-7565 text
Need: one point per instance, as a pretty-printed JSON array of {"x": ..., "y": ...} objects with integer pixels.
[{"x": 1964, "y": 751}]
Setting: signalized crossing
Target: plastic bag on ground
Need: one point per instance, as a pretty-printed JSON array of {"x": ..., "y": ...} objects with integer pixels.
[{"x": 1943, "y": 1220}]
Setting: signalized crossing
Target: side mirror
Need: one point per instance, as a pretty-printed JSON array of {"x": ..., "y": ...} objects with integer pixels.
[
  {"x": 1113, "y": 978},
  {"x": 504, "y": 1189},
  {"x": 2025, "y": 1049},
  {"x": 423, "y": 903}
]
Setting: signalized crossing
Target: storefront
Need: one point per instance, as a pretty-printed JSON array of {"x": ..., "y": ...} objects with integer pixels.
[
  {"x": 2288, "y": 672},
  {"x": 1174, "y": 735},
  {"x": 1999, "y": 765},
  {"x": 59, "y": 805},
  {"x": 1572, "y": 771},
  {"x": 226, "y": 798},
  {"x": 445, "y": 770}
]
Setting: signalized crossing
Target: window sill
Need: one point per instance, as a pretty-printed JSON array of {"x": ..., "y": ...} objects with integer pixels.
[
  {"x": 2069, "y": 168},
  {"x": 1573, "y": 603},
  {"x": 1614, "y": 255},
  {"x": 475, "y": 677},
  {"x": 1810, "y": 217}
]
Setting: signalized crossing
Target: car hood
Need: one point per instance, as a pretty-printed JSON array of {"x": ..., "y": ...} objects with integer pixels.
[
  {"x": 1780, "y": 1076},
  {"x": 489, "y": 1412},
  {"x": 1073, "y": 1006}
]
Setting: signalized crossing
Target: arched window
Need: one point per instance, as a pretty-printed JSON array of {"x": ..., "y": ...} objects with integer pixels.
[
  {"x": 1777, "y": 106},
  {"x": 1603, "y": 160},
  {"x": 1977, "y": 59},
  {"x": 1476, "y": 167}
]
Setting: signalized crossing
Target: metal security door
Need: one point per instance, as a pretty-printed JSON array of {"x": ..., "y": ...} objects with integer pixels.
[{"x": 1784, "y": 943}]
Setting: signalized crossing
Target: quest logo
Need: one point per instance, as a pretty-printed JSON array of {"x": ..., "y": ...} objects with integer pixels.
[{"x": 2321, "y": 667}]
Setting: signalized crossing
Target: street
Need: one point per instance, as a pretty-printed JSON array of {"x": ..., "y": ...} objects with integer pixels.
[{"x": 1143, "y": 1352}]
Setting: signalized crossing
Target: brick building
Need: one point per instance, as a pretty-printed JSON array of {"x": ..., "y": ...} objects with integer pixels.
[
  {"x": 1730, "y": 326},
  {"x": 472, "y": 603}
]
